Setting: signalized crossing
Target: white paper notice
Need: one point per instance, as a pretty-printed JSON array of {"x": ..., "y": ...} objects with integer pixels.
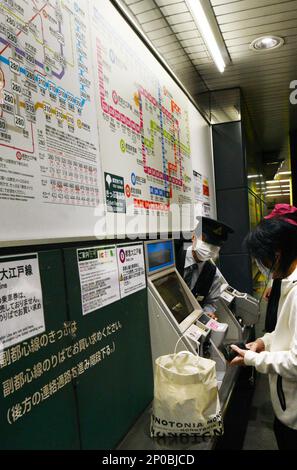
[
  {"x": 131, "y": 269},
  {"x": 206, "y": 210},
  {"x": 99, "y": 277},
  {"x": 21, "y": 305},
  {"x": 198, "y": 187}
]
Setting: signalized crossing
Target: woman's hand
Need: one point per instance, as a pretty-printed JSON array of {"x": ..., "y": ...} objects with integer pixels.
[
  {"x": 239, "y": 359},
  {"x": 256, "y": 346},
  {"x": 212, "y": 315}
]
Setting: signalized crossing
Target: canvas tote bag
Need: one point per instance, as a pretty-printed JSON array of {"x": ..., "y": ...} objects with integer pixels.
[{"x": 186, "y": 400}]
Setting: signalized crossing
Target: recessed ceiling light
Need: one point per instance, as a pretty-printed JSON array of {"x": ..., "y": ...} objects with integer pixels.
[{"x": 266, "y": 43}]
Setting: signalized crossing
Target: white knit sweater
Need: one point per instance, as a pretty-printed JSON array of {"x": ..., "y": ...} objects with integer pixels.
[{"x": 279, "y": 359}]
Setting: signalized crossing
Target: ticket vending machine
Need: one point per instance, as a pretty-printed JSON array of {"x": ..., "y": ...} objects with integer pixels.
[
  {"x": 239, "y": 310},
  {"x": 175, "y": 316},
  {"x": 244, "y": 307}
]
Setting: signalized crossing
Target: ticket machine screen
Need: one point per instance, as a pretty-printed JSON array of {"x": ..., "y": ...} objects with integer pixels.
[
  {"x": 174, "y": 295},
  {"x": 159, "y": 256}
]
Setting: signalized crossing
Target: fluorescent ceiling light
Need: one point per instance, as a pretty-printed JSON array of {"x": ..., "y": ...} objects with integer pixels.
[
  {"x": 275, "y": 186},
  {"x": 278, "y": 181},
  {"x": 201, "y": 20},
  {"x": 254, "y": 176},
  {"x": 284, "y": 173},
  {"x": 278, "y": 191},
  {"x": 278, "y": 195}
]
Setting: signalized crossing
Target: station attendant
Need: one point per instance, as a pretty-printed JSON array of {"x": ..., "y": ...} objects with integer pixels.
[
  {"x": 274, "y": 245},
  {"x": 198, "y": 270}
]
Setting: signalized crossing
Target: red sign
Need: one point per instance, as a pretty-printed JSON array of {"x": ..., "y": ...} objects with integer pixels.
[{"x": 206, "y": 190}]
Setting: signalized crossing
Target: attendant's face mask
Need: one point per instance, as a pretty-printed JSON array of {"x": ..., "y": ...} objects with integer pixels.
[
  {"x": 265, "y": 271},
  {"x": 205, "y": 251}
]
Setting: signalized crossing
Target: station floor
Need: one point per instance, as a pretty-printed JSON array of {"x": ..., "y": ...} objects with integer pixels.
[{"x": 259, "y": 433}]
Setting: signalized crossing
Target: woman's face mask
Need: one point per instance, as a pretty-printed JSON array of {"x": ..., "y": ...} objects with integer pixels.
[
  {"x": 205, "y": 251},
  {"x": 265, "y": 271}
]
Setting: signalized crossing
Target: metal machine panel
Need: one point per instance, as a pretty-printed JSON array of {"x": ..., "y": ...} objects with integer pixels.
[
  {"x": 190, "y": 308},
  {"x": 242, "y": 305},
  {"x": 234, "y": 332},
  {"x": 164, "y": 334}
]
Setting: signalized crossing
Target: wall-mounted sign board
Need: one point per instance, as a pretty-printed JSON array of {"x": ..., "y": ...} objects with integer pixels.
[{"x": 91, "y": 127}]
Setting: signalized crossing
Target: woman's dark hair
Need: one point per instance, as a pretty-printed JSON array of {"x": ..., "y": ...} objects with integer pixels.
[{"x": 273, "y": 235}]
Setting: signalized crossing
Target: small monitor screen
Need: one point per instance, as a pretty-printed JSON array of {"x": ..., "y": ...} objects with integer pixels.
[
  {"x": 160, "y": 255},
  {"x": 175, "y": 296}
]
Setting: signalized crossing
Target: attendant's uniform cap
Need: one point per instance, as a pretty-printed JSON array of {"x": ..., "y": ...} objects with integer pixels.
[{"x": 215, "y": 231}]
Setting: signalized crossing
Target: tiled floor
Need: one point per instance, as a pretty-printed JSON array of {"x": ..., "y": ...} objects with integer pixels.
[{"x": 259, "y": 433}]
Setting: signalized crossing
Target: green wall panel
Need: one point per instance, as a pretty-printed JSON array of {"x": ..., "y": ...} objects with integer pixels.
[
  {"x": 51, "y": 424},
  {"x": 113, "y": 392}
]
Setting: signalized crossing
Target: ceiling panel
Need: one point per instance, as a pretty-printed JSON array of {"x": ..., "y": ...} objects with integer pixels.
[
  {"x": 284, "y": 26},
  {"x": 174, "y": 9},
  {"x": 247, "y": 39},
  {"x": 243, "y": 5},
  {"x": 149, "y": 16},
  {"x": 189, "y": 35},
  {"x": 142, "y": 6},
  {"x": 274, "y": 21},
  {"x": 181, "y": 27},
  {"x": 165, "y": 40},
  {"x": 159, "y": 33},
  {"x": 260, "y": 13},
  {"x": 154, "y": 25},
  {"x": 263, "y": 78}
]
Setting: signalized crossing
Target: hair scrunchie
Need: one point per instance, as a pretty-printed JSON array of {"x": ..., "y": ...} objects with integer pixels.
[{"x": 281, "y": 210}]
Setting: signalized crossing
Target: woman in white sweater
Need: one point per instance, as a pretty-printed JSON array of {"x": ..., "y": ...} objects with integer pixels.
[{"x": 274, "y": 245}]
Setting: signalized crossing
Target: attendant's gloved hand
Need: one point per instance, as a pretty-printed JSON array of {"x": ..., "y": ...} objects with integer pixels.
[
  {"x": 267, "y": 293},
  {"x": 212, "y": 315}
]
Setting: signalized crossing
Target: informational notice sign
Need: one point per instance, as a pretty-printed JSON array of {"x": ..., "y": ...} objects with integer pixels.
[
  {"x": 98, "y": 272},
  {"x": 115, "y": 193},
  {"x": 206, "y": 211},
  {"x": 131, "y": 269},
  {"x": 198, "y": 187},
  {"x": 49, "y": 148},
  {"x": 143, "y": 122},
  {"x": 21, "y": 305}
]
